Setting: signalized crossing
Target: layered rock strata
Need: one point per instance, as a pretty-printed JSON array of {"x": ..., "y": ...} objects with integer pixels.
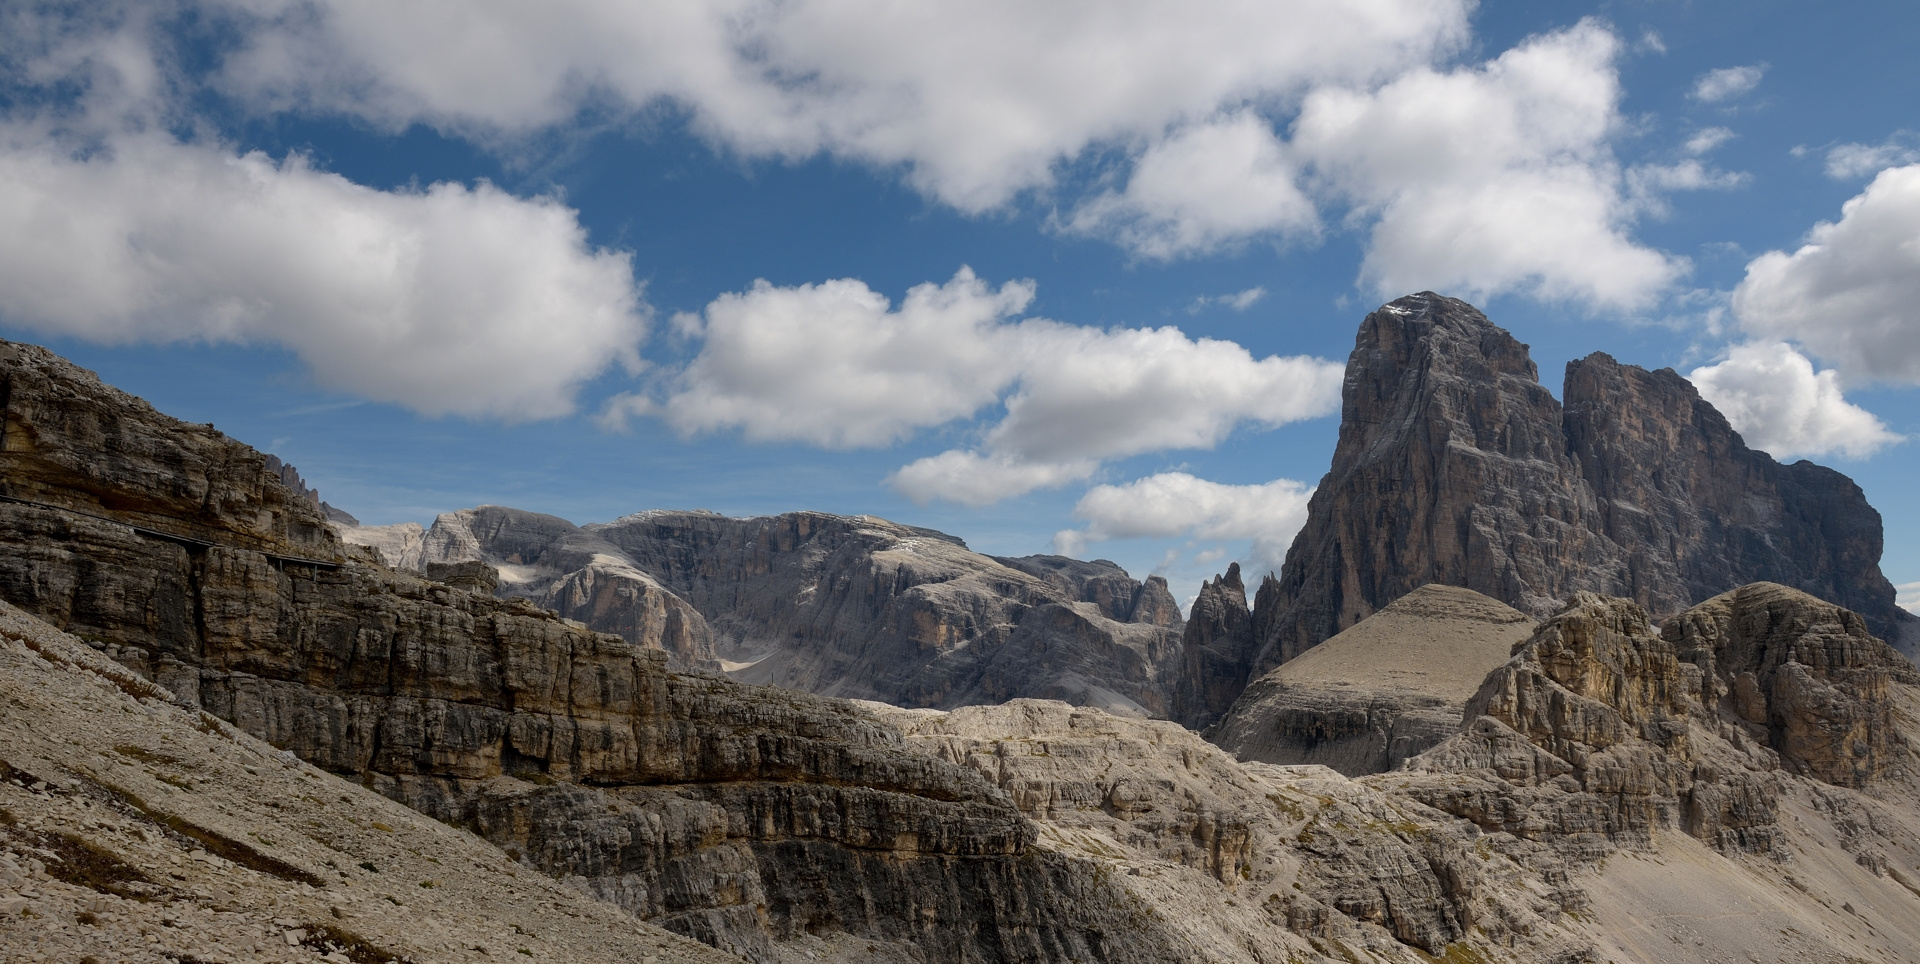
[
  {"x": 136, "y": 830},
  {"x": 718, "y": 810},
  {"x": 1386, "y": 689},
  {"x": 557, "y": 565},
  {"x": 1455, "y": 466},
  {"x": 854, "y": 607},
  {"x": 1602, "y": 731}
]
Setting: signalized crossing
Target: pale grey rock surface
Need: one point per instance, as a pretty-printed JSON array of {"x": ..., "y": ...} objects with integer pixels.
[
  {"x": 1385, "y": 689},
  {"x": 136, "y": 830}
]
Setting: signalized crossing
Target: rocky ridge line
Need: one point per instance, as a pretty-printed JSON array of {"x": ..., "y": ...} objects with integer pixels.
[{"x": 854, "y": 607}]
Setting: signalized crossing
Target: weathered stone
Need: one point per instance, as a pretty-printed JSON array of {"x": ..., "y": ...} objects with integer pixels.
[
  {"x": 555, "y": 565},
  {"x": 1803, "y": 675},
  {"x": 1215, "y": 656},
  {"x": 1455, "y": 466},
  {"x": 844, "y": 606},
  {"x": 785, "y": 827},
  {"x": 1601, "y": 728},
  {"x": 1386, "y": 689}
]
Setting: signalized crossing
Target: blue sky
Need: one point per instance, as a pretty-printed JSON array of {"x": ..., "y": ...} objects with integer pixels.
[{"x": 1075, "y": 276}]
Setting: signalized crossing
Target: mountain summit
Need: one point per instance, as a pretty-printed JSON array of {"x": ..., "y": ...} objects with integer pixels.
[{"x": 1456, "y": 466}]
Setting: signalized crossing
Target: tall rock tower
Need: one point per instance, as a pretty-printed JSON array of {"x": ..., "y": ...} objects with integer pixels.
[{"x": 1455, "y": 466}]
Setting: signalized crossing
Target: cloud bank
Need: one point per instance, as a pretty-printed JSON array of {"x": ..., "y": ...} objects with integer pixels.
[
  {"x": 1175, "y": 505},
  {"x": 1778, "y": 403},
  {"x": 836, "y": 364},
  {"x": 976, "y": 101},
  {"x": 449, "y": 299},
  {"x": 1851, "y": 293},
  {"x": 1215, "y": 124}
]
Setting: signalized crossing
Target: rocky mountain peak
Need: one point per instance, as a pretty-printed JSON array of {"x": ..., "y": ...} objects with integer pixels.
[{"x": 1456, "y": 466}]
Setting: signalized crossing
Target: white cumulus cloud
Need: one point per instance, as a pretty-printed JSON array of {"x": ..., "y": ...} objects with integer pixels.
[
  {"x": 1778, "y": 403},
  {"x": 1848, "y": 161},
  {"x": 1492, "y": 178},
  {"x": 977, "y": 101},
  {"x": 1094, "y": 393},
  {"x": 1207, "y": 186},
  {"x": 1479, "y": 179},
  {"x": 971, "y": 478},
  {"x": 836, "y": 364},
  {"x": 1727, "y": 83},
  {"x": 449, "y": 299},
  {"x": 1176, "y": 504},
  {"x": 1851, "y": 293}
]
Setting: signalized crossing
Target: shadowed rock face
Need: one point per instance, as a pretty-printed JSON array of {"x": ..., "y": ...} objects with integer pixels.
[
  {"x": 854, "y": 607},
  {"x": 1215, "y": 657},
  {"x": 1455, "y": 466}
]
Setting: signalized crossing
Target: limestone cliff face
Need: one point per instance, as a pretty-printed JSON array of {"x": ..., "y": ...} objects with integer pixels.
[
  {"x": 1455, "y": 466},
  {"x": 1694, "y": 512},
  {"x": 858, "y": 606},
  {"x": 1215, "y": 657},
  {"x": 559, "y": 566},
  {"x": 68, "y": 443},
  {"x": 1602, "y": 731}
]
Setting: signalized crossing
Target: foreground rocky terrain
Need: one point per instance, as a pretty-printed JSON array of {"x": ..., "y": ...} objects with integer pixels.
[
  {"x": 855, "y": 607},
  {"x": 136, "y": 830},
  {"x": 1456, "y": 466}
]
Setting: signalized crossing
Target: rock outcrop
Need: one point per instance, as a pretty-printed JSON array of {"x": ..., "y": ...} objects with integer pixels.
[
  {"x": 136, "y": 830},
  {"x": 854, "y": 607},
  {"x": 1215, "y": 658},
  {"x": 290, "y": 477},
  {"x": 556, "y": 565},
  {"x": 1244, "y": 861},
  {"x": 1385, "y": 689},
  {"x": 746, "y": 817},
  {"x": 1601, "y": 731},
  {"x": 1455, "y": 466}
]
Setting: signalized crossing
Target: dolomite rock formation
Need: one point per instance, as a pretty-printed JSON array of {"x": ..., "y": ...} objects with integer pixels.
[
  {"x": 853, "y": 607},
  {"x": 1455, "y": 466},
  {"x": 717, "y": 810},
  {"x": 1243, "y": 861},
  {"x": 136, "y": 830},
  {"x": 1601, "y": 731},
  {"x": 556, "y": 565},
  {"x": 1388, "y": 688},
  {"x": 1215, "y": 656}
]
